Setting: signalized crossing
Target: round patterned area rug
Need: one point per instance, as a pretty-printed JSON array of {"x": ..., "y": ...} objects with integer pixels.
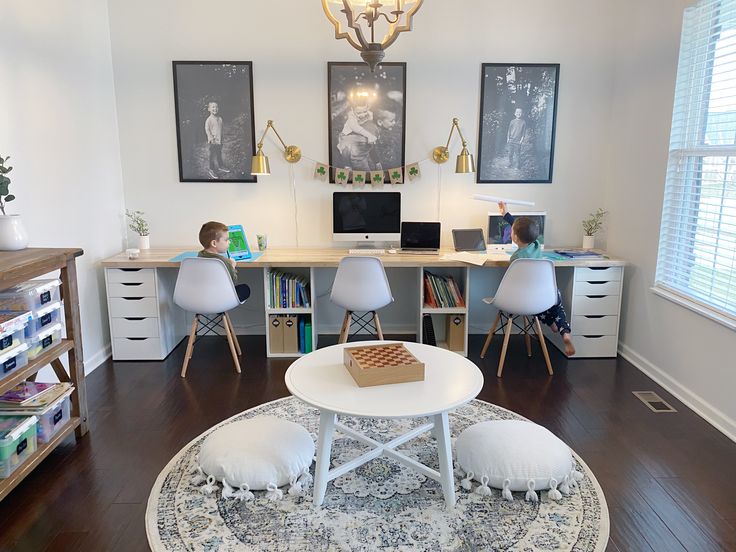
[{"x": 380, "y": 506}]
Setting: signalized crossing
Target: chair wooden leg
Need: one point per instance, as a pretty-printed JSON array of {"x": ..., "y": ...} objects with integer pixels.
[
  {"x": 190, "y": 346},
  {"x": 490, "y": 335},
  {"x": 544, "y": 346},
  {"x": 527, "y": 338},
  {"x": 507, "y": 335},
  {"x": 235, "y": 336},
  {"x": 377, "y": 322},
  {"x": 231, "y": 342},
  {"x": 345, "y": 329}
]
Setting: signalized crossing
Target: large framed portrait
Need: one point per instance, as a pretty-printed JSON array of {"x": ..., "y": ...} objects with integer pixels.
[
  {"x": 367, "y": 116},
  {"x": 214, "y": 120},
  {"x": 518, "y": 108}
]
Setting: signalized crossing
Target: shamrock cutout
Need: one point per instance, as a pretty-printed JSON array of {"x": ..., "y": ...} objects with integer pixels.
[
  {"x": 413, "y": 171},
  {"x": 396, "y": 175},
  {"x": 341, "y": 175},
  {"x": 321, "y": 171},
  {"x": 377, "y": 178},
  {"x": 358, "y": 178}
]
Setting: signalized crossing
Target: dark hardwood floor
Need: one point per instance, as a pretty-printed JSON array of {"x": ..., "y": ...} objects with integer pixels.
[{"x": 668, "y": 478}]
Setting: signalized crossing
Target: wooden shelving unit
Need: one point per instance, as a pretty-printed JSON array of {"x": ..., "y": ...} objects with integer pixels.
[{"x": 17, "y": 267}]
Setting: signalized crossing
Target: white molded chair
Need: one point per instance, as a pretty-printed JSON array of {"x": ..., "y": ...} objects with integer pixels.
[
  {"x": 528, "y": 288},
  {"x": 360, "y": 286},
  {"x": 204, "y": 287}
]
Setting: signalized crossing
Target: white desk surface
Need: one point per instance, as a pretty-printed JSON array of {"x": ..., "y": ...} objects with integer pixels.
[
  {"x": 330, "y": 257},
  {"x": 321, "y": 380}
]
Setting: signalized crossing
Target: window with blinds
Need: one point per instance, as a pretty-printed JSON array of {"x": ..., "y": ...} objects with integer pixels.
[{"x": 697, "y": 251}]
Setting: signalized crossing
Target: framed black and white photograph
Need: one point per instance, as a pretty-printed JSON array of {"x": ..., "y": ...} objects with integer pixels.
[
  {"x": 214, "y": 120},
  {"x": 367, "y": 116},
  {"x": 518, "y": 108}
]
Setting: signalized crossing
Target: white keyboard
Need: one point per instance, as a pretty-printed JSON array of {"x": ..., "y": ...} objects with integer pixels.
[{"x": 369, "y": 252}]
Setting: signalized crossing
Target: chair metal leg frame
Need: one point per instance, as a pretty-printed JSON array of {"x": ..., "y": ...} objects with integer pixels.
[
  {"x": 203, "y": 325},
  {"x": 530, "y": 326},
  {"x": 351, "y": 318}
]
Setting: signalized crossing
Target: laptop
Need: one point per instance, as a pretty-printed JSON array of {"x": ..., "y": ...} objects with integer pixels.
[
  {"x": 420, "y": 238},
  {"x": 238, "y": 249},
  {"x": 468, "y": 239}
]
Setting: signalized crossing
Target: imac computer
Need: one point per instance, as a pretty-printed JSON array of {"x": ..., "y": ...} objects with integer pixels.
[
  {"x": 366, "y": 216},
  {"x": 499, "y": 231}
]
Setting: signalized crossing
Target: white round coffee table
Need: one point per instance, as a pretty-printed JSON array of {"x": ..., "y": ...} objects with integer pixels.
[{"x": 321, "y": 380}]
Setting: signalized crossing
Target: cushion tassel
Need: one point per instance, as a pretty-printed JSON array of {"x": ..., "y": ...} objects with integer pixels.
[
  {"x": 553, "y": 493},
  {"x": 227, "y": 490},
  {"x": 273, "y": 492},
  {"x": 531, "y": 494},
  {"x": 296, "y": 487},
  {"x": 484, "y": 489},
  {"x": 565, "y": 486},
  {"x": 467, "y": 482},
  {"x": 243, "y": 493},
  {"x": 577, "y": 475},
  {"x": 210, "y": 487},
  {"x": 506, "y": 492},
  {"x": 199, "y": 477}
]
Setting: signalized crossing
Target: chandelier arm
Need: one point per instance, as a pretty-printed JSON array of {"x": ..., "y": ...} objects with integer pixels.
[
  {"x": 353, "y": 24},
  {"x": 396, "y": 30},
  {"x": 388, "y": 20},
  {"x": 336, "y": 23}
]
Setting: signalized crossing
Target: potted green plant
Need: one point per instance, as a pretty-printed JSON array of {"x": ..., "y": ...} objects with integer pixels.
[
  {"x": 139, "y": 225},
  {"x": 591, "y": 226},
  {"x": 13, "y": 235}
]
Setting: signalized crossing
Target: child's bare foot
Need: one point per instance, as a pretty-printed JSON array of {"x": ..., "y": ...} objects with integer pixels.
[
  {"x": 569, "y": 347},
  {"x": 554, "y": 327}
]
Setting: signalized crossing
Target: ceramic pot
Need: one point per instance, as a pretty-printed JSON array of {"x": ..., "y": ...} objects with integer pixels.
[
  {"x": 13, "y": 235},
  {"x": 588, "y": 242},
  {"x": 144, "y": 242}
]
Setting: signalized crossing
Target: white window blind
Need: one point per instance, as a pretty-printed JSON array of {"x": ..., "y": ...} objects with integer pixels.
[{"x": 697, "y": 250}]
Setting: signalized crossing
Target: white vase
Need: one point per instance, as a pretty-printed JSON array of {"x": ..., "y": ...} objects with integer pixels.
[
  {"x": 588, "y": 242},
  {"x": 144, "y": 242},
  {"x": 13, "y": 235}
]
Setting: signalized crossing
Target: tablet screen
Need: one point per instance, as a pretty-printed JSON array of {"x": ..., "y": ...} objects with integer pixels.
[{"x": 470, "y": 239}]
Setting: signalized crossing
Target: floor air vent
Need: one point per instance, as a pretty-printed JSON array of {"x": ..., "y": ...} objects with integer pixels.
[{"x": 653, "y": 401}]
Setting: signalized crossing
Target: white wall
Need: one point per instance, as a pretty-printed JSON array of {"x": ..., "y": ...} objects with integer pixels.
[
  {"x": 690, "y": 355},
  {"x": 58, "y": 124}
]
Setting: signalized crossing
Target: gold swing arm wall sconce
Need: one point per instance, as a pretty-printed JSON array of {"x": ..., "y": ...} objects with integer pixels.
[
  {"x": 259, "y": 164},
  {"x": 359, "y": 25},
  {"x": 465, "y": 162}
]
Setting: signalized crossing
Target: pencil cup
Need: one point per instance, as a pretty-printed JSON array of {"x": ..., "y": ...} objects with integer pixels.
[{"x": 262, "y": 241}]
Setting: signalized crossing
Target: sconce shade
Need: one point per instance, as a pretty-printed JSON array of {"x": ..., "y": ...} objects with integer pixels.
[
  {"x": 259, "y": 164},
  {"x": 465, "y": 162}
]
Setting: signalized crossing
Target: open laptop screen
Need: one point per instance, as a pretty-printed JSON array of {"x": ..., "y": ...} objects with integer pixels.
[{"x": 420, "y": 235}]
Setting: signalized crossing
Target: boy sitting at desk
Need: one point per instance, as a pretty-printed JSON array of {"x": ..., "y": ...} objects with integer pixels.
[
  {"x": 215, "y": 240},
  {"x": 524, "y": 233}
]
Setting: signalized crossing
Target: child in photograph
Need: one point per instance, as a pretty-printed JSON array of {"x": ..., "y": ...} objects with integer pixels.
[
  {"x": 213, "y": 129},
  {"x": 215, "y": 240},
  {"x": 515, "y": 137},
  {"x": 524, "y": 233}
]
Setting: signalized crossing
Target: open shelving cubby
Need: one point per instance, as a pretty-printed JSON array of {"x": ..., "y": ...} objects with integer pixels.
[
  {"x": 284, "y": 302},
  {"x": 440, "y": 306}
]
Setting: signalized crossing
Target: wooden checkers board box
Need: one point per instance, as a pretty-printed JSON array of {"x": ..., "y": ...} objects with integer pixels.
[{"x": 382, "y": 364}]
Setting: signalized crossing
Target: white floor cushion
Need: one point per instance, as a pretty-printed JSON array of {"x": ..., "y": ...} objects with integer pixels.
[
  {"x": 262, "y": 453},
  {"x": 515, "y": 455}
]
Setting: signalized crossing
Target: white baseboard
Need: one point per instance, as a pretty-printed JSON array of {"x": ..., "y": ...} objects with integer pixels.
[
  {"x": 697, "y": 404},
  {"x": 93, "y": 361}
]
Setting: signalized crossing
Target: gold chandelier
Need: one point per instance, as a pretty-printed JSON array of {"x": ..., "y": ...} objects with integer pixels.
[{"x": 357, "y": 22}]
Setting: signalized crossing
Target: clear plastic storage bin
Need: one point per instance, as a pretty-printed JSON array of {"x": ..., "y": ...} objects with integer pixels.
[
  {"x": 54, "y": 417},
  {"x": 43, "y": 318},
  {"x": 44, "y": 340},
  {"x": 31, "y": 295},
  {"x": 17, "y": 442},
  {"x": 13, "y": 359},
  {"x": 12, "y": 326}
]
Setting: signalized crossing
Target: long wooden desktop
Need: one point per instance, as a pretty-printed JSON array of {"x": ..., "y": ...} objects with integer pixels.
[{"x": 146, "y": 325}]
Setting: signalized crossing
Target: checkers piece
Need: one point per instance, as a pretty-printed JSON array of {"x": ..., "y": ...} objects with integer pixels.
[{"x": 382, "y": 364}]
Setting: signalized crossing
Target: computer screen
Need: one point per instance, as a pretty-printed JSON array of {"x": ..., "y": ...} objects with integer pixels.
[
  {"x": 420, "y": 235},
  {"x": 499, "y": 231},
  {"x": 366, "y": 216}
]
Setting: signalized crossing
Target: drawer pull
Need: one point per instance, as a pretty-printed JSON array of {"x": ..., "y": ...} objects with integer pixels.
[
  {"x": 599, "y": 267},
  {"x": 136, "y": 338},
  {"x": 597, "y": 283},
  {"x": 594, "y": 315},
  {"x": 132, "y": 283},
  {"x": 592, "y": 336},
  {"x": 135, "y": 318},
  {"x": 130, "y": 269},
  {"x": 595, "y": 296},
  {"x": 138, "y": 298}
]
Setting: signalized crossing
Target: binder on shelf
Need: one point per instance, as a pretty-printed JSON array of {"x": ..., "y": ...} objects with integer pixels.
[
  {"x": 291, "y": 334},
  {"x": 428, "y": 330},
  {"x": 300, "y": 325},
  {"x": 455, "y": 332},
  {"x": 308, "y": 337},
  {"x": 276, "y": 333}
]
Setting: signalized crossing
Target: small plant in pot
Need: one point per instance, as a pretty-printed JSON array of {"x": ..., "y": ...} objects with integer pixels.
[
  {"x": 139, "y": 225},
  {"x": 13, "y": 235},
  {"x": 591, "y": 226}
]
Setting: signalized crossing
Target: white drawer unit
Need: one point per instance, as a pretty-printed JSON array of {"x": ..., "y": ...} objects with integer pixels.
[{"x": 144, "y": 322}]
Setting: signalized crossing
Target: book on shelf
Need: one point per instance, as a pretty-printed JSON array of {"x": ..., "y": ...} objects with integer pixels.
[
  {"x": 37, "y": 404},
  {"x": 288, "y": 290},
  {"x": 428, "y": 336},
  {"x": 25, "y": 392},
  {"x": 441, "y": 292}
]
